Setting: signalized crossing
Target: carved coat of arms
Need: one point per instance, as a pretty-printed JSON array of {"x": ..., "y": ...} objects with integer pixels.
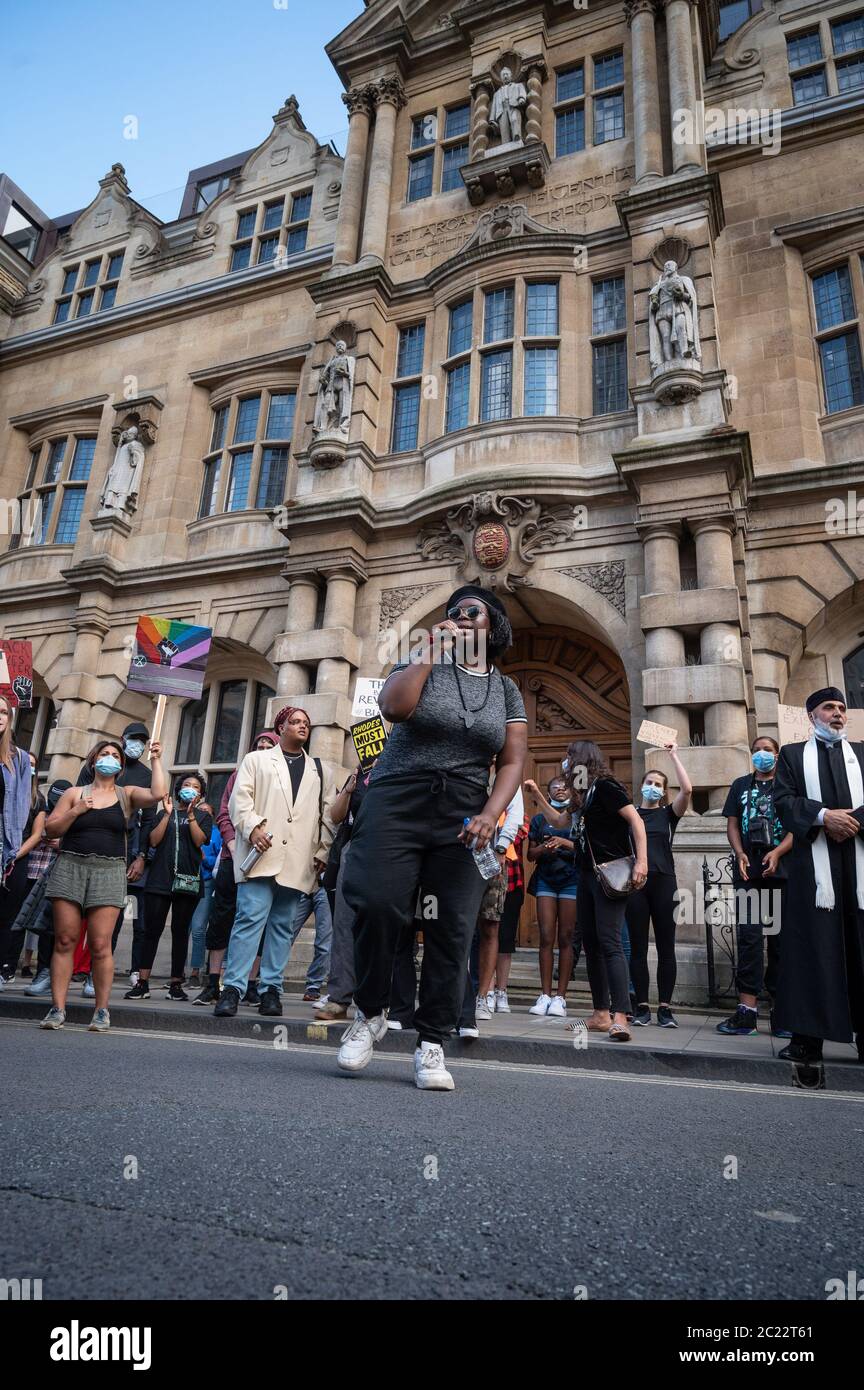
[{"x": 495, "y": 539}]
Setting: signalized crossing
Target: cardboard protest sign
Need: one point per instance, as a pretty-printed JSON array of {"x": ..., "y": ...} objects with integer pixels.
[
  {"x": 16, "y": 672},
  {"x": 793, "y": 725},
  {"x": 366, "y": 692},
  {"x": 369, "y": 738},
  {"x": 657, "y": 735},
  {"x": 170, "y": 658}
]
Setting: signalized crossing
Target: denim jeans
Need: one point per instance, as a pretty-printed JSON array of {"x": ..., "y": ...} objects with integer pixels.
[
  {"x": 316, "y": 975},
  {"x": 261, "y": 902},
  {"x": 198, "y": 926}
]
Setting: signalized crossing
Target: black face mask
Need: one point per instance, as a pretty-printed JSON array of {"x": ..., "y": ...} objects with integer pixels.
[{"x": 54, "y": 793}]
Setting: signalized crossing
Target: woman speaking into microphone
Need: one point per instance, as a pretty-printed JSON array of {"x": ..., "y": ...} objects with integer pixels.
[{"x": 427, "y": 806}]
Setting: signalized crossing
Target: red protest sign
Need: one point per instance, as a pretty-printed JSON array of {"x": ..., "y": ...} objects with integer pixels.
[{"x": 16, "y": 672}]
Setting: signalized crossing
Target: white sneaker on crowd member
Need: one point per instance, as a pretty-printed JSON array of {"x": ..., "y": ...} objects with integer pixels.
[
  {"x": 482, "y": 1010},
  {"x": 88, "y": 991},
  {"x": 490, "y": 1001},
  {"x": 430, "y": 1073},
  {"x": 558, "y": 1007},
  {"x": 501, "y": 1003},
  {"x": 134, "y": 977},
  {"x": 2, "y": 984},
  {"x": 355, "y": 1051},
  {"x": 100, "y": 1022},
  {"x": 468, "y": 1032},
  {"x": 542, "y": 1005},
  {"x": 41, "y": 984},
  {"x": 55, "y": 1018},
  {"x": 393, "y": 1025}
]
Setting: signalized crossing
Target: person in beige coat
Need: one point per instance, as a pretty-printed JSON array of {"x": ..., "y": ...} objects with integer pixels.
[{"x": 281, "y": 806}]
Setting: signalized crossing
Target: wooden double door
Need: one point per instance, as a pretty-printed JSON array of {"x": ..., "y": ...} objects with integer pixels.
[{"x": 573, "y": 687}]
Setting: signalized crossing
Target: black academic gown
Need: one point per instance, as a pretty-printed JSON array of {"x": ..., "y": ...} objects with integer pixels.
[{"x": 820, "y": 990}]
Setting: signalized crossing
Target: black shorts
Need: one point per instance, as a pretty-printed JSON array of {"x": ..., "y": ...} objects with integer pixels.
[{"x": 223, "y": 906}]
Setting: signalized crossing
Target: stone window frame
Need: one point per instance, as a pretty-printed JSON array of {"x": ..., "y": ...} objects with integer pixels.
[
  {"x": 853, "y": 261},
  {"x": 437, "y": 146},
  {"x": 609, "y": 337},
  {"x": 585, "y": 100},
  {"x": 218, "y": 771},
  {"x": 281, "y": 233},
  {"x": 105, "y": 282},
  {"x": 753, "y": 7},
  {"x": 401, "y": 385},
  {"x": 40, "y": 487},
  {"x": 219, "y": 458},
  {"x": 829, "y": 60}
]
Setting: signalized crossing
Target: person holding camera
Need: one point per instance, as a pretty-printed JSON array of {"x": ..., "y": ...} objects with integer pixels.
[
  {"x": 554, "y": 884},
  {"x": 755, "y": 832}
]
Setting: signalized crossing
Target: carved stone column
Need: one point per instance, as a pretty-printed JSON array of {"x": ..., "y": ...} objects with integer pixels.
[
  {"x": 664, "y": 646},
  {"x": 481, "y": 92},
  {"x": 534, "y": 109},
  {"x": 78, "y": 692},
  {"x": 359, "y": 104},
  {"x": 292, "y": 679},
  {"x": 686, "y": 154},
  {"x": 720, "y": 643},
  {"x": 389, "y": 97},
  {"x": 646, "y": 90},
  {"x": 334, "y": 672}
]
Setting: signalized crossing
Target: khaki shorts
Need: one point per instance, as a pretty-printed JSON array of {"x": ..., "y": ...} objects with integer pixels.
[
  {"x": 493, "y": 899},
  {"x": 90, "y": 880}
]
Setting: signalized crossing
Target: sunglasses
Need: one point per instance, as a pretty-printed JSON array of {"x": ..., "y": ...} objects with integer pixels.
[{"x": 472, "y": 613}]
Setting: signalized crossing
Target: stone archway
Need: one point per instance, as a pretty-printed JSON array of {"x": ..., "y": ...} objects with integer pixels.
[{"x": 574, "y": 686}]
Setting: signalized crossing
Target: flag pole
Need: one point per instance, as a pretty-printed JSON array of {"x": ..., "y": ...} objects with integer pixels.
[{"x": 161, "y": 703}]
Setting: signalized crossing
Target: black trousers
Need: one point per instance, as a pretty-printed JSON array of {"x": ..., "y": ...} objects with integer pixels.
[
  {"x": 403, "y": 993},
  {"x": 182, "y": 907},
  {"x": 601, "y": 919},
  {"x": 13, "y": 894},
  {"x": 223, "y": 907},
  {"x": 509, "y": 924},
  {"x": 653, "y": 903},
  {"x": 406, "y": 834},
  {"x": 138, "y": 927},
  {"x": 755, "y": 905}
]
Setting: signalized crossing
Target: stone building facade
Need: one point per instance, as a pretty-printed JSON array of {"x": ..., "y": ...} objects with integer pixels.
[{"x": 578, "y": 314}]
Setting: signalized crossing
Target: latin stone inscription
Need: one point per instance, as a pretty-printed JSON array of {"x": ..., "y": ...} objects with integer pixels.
[{"x": 556, "y": 206}]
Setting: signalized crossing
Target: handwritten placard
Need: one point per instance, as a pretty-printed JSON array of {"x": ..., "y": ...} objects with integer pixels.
[
  {"x": 366, "y": 692},
  {"x": 16, "y": 672},
  {"x": 657, "y": 735},
  {"x": 793, "y": 724}
]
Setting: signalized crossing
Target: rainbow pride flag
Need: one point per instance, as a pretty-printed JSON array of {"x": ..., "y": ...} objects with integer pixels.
[{"x": 170, "y": 658}]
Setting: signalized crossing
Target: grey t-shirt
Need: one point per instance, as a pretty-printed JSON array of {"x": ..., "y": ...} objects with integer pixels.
[{"x": 436, "y": 739}]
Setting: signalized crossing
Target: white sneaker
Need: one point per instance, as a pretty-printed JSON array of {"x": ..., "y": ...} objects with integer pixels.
[
  {"x": 558, "y": 1007},
  {"x": 501, "y": 1004},
  {"x": 134, "y": 977},
  {"x": 55, "y": 1018},
  {"x": 355, "y": 1051},
  {"x": 430, "y": 1073},
  {"x": 88, "y": 991},
  {"x": 469, "y": 1032},
  {"x": 2, "y": 984},
  {"x": 394, "y": 1026},
  {"x": 100, "y": 1022},
  {"x": 542, "y": 1005},
  {"x": 482, "y": 1010},
  {"x": 41, "y": 984}
]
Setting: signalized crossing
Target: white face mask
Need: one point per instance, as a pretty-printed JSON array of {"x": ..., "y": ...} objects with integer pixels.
[
  {"x": 565, "y": 766},
  {"x": 826, "y": 733}
]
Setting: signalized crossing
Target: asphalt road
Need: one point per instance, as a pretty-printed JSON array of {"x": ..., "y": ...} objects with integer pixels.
[{"x": 261, "y": 1170}]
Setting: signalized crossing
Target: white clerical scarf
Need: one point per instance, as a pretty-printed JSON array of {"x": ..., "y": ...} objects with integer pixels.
[{"x": 821, "y": 860}]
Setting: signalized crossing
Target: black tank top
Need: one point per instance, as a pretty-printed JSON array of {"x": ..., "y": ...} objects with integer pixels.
[{"x": 100, "y": 831}]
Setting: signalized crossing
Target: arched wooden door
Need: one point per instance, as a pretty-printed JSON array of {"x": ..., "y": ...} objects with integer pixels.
[{"x": 573, "y": 687}]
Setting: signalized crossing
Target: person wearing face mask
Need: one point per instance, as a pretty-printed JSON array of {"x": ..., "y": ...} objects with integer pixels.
[
  {"x": 819, "y": 796},
  {"x": 88, "y": 879},
  {"x": 656, "y": 902},
  {"x": 135, "y": 773},
  {"x": 174, "y": 882},
  {"x": 759, "y": 845},
  {"x": 554, "y": 884}
]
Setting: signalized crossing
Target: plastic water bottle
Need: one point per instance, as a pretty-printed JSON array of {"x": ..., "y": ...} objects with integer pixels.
[{"x": 486, "y": 859}]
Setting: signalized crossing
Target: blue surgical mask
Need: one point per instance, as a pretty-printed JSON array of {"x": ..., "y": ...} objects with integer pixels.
[
  {"x": 565, "y": 766},
  {"x": 133, "y": 748},
  {"x": 108, "y": 767},
  {"x": 559, "y": 805},
  {"x": 187, "y": 794},
  {"x": 826, "y": 733},
  {"x": 763, "y": 761},
  {"x": 650, "y": 792}
]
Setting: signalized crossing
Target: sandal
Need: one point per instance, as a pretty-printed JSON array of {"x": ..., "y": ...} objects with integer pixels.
[{"x": 618, "y": 1033}]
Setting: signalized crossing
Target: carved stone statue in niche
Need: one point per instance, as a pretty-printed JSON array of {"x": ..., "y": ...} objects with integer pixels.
[
  {"x": 120, "y": 493},
  {"x": 335, "y": 390},
  {"x": 673, "y": 319},
  {"x": 508, "y": 103}
]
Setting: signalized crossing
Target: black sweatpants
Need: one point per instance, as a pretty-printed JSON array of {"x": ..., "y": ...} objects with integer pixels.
[
  {"x": 138, "y": 927},
  {"x": 223, "y": 907},
  {"x": 655, "y": 903},
  {"x": 405, "y": 834},
  {"x": 182, "y": 906},
  {"x": 13, "y": 895},
  {"x": 601, "y": 919},
  {"x": 756, "y": 903}
]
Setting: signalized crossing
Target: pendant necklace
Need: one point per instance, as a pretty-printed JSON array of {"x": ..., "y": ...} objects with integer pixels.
[{"x": 469, "y": 715}]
